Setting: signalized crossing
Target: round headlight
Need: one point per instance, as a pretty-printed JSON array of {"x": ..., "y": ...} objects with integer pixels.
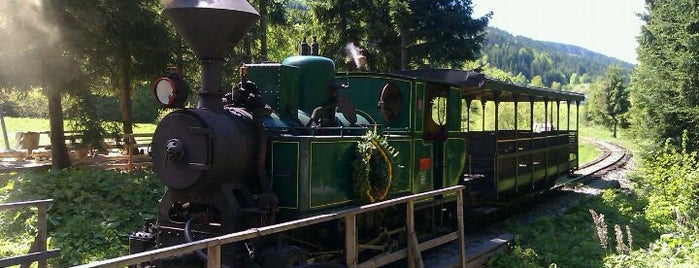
[{"x": 165, "y": 91}]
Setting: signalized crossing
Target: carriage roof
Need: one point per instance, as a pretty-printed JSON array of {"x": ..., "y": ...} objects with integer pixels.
[{"x": 477, "y": 86}]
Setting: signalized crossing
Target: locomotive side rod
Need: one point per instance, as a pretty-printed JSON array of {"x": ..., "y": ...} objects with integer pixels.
[{"x": 214, "y": 244}]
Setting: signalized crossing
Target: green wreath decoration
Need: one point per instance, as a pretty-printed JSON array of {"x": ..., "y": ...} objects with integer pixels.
[{"x": 374, "y": 168}]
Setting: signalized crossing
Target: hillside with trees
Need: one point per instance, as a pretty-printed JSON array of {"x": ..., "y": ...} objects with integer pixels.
[{"x": 553, "y": 62}]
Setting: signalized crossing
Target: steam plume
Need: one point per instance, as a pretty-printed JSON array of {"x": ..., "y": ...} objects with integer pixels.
[
  {"x": 21, "y": 21},
  {"x": 355, "y": 53},
  {"x": 29, "y": 41}
]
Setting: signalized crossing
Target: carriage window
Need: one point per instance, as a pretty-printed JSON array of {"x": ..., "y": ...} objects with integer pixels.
[
  {"x": 439, "y": 110},
  {"x": 390, "y": 103}
]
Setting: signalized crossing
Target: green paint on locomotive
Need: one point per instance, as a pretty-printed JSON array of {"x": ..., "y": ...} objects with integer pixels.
[
  {"x": 419, "y": 103},
  {"x": 402, "y": 180},
  {"x": 364, "y": 91},
  {"x": 330, "y": 175},
  {"x": 298, "y": 83},
  {"x": 316, "y": 78},
  {"x": 285, "y": 173},
  {"x": 455, "y": 159},
  {"x": 315, "y": 173},
  {"x": 279, "y": 85},
  {"x": 423, "y": 179}
]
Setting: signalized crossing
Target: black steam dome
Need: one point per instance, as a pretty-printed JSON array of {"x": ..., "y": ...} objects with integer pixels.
[{"x": 210, "y": 26}]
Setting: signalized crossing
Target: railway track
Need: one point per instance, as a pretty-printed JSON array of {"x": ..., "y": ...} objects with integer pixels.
[
  {"x": 479, "y": 247},
  {"x": 613, "y": 156}
]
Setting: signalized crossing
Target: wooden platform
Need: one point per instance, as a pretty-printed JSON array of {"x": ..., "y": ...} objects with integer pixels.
[
  {"x": 13, "y": 155},
  {"x": 476, "y": 257}
]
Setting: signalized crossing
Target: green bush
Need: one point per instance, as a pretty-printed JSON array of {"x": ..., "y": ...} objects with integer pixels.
[
  {"x": 32, "y": 103},
  {"x": 570, "y": 239},
  {"x": 668, "y": 179},
  {"x": 93, "y": 211},
  {"x": 25, "y": 103},
  {"x": 145, "y": 107},
  {"x": 671, "y": 250}
]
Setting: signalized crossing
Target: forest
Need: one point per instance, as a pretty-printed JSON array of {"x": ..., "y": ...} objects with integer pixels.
[
  {"x": 92, "y": 63},
  {"x": 556, "y": 64}
]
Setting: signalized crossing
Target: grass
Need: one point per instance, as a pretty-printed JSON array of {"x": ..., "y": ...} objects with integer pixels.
[
  {"x": 14, "y": 125},
  {"x": 587, "y": 152},
  {"x": 600, "y": 133},
  {"x": 569, "y": 240}
]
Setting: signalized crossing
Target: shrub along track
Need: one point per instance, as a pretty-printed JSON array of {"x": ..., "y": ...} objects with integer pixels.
[{"x": 606, "y": 171}]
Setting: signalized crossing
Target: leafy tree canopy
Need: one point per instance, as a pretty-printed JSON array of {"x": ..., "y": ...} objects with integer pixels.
[{"x": 442, "y": 31}]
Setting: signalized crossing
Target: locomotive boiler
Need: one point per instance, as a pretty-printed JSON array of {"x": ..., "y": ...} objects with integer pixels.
[{"x": 295, "y": 139}]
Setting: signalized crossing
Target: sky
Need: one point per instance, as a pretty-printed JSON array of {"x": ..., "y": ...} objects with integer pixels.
[{"x": 609, "y": 27}]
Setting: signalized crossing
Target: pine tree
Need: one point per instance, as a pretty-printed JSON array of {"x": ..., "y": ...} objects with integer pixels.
[
  {"x": 616, "y": 97},
  {"x": 665, "y": 85},
  {"x": 120, "y": 40},
  {"x": 608, "y": 99}
]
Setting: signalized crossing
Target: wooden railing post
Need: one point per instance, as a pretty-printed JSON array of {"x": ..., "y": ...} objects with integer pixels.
[
  {"x": 37, "y": 252},
  {"x": 129, "y": 146},
  {"x": 41, "y": 233},
  {"x": 414, "y": 256},
  {"x": 213, "y": 257},
  {"x": 460, "y": 219},
  {"x": 351, "y": 240}
]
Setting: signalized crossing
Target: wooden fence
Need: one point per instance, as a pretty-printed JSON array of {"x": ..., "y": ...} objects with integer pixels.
[
  {"x": 74, "y": 141},
  {"x": 38, "y": 251},
  {"x": 414, "y": 259}
]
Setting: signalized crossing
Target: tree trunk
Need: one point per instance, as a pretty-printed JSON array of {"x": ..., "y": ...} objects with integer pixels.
[
  {"x": 614, "y": 134},
  {"x": 4, "y": 130},
  {"x": 180, "y": 54},
  {"x": 263, "y": 30},
  {"x": 124, "y": 84},
  {"x": 247, "y": 48},
  {"x": 403, "y": 51},
  {"x": 59, "y": 152}
]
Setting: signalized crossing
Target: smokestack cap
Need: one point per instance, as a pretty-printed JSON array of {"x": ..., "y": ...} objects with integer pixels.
[{"x": 211, "y": 26}]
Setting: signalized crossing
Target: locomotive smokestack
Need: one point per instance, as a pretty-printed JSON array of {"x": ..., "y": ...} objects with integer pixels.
[{"x": 211, "y": 27}]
